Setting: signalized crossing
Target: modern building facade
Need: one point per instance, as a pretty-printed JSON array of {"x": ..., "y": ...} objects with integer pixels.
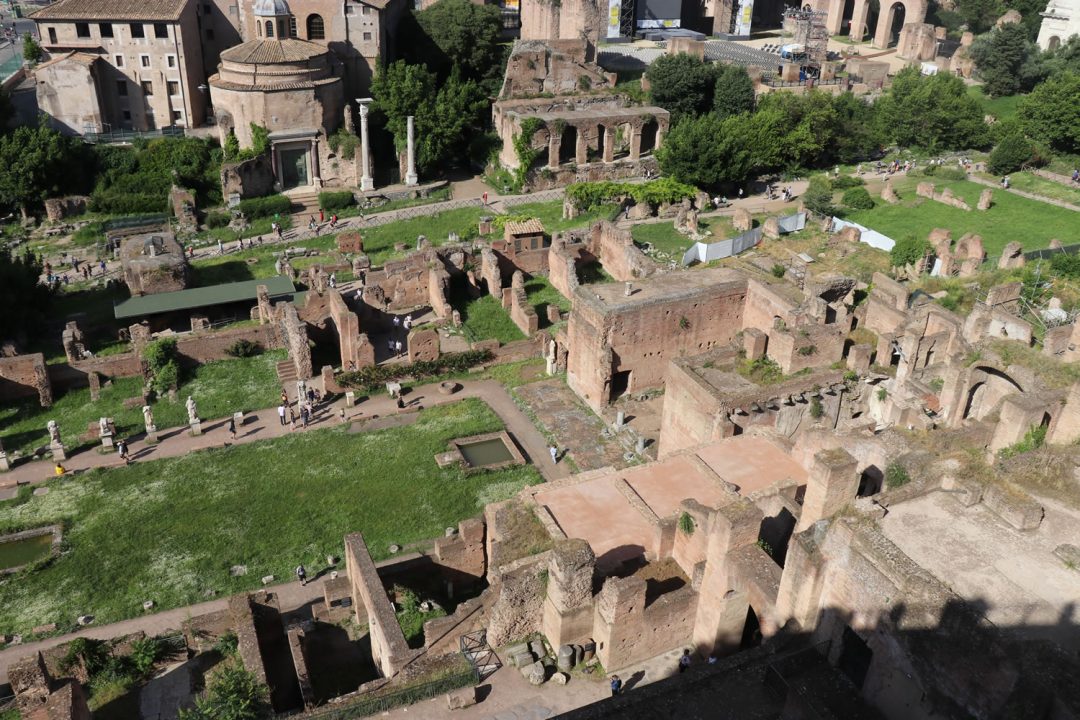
[{"x": 121, "y": 65}]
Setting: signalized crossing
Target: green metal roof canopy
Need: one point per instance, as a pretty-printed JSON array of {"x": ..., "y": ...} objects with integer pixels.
[{"x": 280, "y": 288}]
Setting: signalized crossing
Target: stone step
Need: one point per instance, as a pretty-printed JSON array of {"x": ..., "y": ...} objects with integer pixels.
[{"x": 286, "y": 372}]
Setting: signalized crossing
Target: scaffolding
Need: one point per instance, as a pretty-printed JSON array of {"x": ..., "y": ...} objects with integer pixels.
[{"x": 808, "y": 27}]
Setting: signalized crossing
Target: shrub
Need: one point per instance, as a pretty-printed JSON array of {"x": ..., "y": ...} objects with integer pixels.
[
  {"x": 882, "y": 393},
  {"x": 31, "y": 50},
  {"x": 217, "y": 219},
  {"x": 265, "y": 206},
  {"x": 146, "y": 651},
  {"x": 161, "y": 357},
  {"x": 909, "y": 250},
  {"x": 586, "y": 195},
  {"x": 764, "y": 545},
  {"x": 896, "y": 476},
  {"x": 373, "y": 377},
  {"x": 227, "y": 644},
  {"x": 336, "y": 200},
  {"x": 845, "y": 182},
  {"x": 687, "y": 524},
  {"x": 244, "y": 348},
  {"x": 233, "y": 694},
  {"x": 1011, "y": 154},
  {"x": 857, "y": 198},
  {"x": 1033, "y": 440},
  {"x": 344, "y": 143},
  {"x": 947, "y": 174},
  {"x": 778, "y": 270},
  {"x": 127, "y": 203},
  {"x": 807, "y": 350},
  {"x": 816, "y": 408},
  {"x": 818, "y": 196}
]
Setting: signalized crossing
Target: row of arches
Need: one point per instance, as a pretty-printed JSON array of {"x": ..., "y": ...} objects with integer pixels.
[
  {"x": 601, "y": 143},
  {"x": 286, "y": 28}
]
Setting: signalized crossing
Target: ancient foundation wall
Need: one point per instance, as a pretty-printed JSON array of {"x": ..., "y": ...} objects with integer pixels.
[
  {"x": 461, "y": 557},
  {"x": 295, "y": 336},
  {"x": 389, "y": 651},
  {"x": 562, "y": 268},
  {"x": 690, "y": 410},
  {"x": 764, "y": 306},
  {"x": 626, "y": 631},
  {"x": 25, "y": 376},
  {"x": 243, "y": 621},
  {"x": 618, "y": 254}
]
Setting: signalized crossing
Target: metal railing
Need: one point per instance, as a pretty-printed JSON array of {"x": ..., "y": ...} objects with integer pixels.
[{"x": 126, "y": 136}]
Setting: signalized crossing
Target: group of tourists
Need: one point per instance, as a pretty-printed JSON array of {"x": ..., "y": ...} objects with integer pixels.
[
  {"x": 307, "y": 404},
  {"x": 394, "y": 345}
]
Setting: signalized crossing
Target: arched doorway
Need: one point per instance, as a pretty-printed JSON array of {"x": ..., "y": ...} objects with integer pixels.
[
  {"x": 568, "y": 145},
  {"x": 1054, "y": 43},
  {"x": 648, "y": 136},
  {"x": 897, "y": 16},
  {"x": 989, "y": 387}
]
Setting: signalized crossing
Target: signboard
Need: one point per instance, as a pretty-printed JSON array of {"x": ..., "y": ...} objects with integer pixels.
[
  {"x": 614, "y": 16},
  {"x": 743, "y": 18},
  {"x": 655, "y": 24}
]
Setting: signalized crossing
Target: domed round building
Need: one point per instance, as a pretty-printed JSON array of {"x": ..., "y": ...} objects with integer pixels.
[{"x": 291, "y": 87}]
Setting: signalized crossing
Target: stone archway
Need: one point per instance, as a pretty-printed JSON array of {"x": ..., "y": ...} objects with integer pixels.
[
  {"x": 910, "y": 11},
  {"x": 988, "y": 387}
]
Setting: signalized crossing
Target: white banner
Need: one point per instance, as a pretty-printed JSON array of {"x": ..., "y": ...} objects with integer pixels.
[
  {"x": 614, "y": 18},
  {"x": 742, "y": 20}
]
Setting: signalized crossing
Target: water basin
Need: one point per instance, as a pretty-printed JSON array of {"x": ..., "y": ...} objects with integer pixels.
[
  {"x": 16, "y": 553},
  {"x": 486, "y": 452}
]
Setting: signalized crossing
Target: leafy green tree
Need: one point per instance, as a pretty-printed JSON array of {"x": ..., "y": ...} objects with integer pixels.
[
  {"x": 233, "y": 694},
  {"x": 37, "y": 163},
  {"x": 1011, "y": 154},
  {"x": 1007, "y": 61},
  {"x": 856, "y": 134},
  {"x": 932, "y": 112},
  {"x": 733, "y": 92},
  {"x": 1051, "y": 113},
  {"x": 979, "y": 15},
  {"x": 908, "y": 250},
  {"x": 818, "y": 197},
  {"x": 31, "y": 50},
  {"x": 19, "y": 288},
  {"x": 1065, "y": 58},
  {"x": 809, "y": 123},
  {"x": 858, "y": 198},
  {"x": 707, "y": 151},
  {"x": 458, "y": 33},
  {"x": 681, "y": 84}
]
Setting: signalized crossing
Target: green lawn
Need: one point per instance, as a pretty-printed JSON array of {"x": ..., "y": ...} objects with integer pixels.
[
  {"x": 550, "y": 213},
  {"x": 1031, "y": 223},
  {"x": 1003, "y": 108},
  {"x": 541, "y": 294},
  {"x": 484, "y": 318},
  {"x": 169, "y": 530},
  {"x": 1029, "y": 182},
  {"x": 220, "y": 388},
  {"x": 667, "y": 241}
]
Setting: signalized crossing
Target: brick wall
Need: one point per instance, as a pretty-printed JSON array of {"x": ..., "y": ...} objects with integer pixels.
[
  {"x": 618, "y": 254},
  {"x": 25, "y": 376},
  {"x": 690, "y": 410}
]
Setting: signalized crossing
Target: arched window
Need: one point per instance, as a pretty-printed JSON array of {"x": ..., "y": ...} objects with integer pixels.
[
  {"x": 269, "y": 28},
  {"x": 315, "y": 29},
  {"x": 258, "y": 26}
]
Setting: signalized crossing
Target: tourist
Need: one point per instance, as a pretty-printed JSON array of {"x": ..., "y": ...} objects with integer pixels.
[
  {"x": 616, "y": 685},
  {"x": 397, "y": 347},
  {"x": 407, "y": 323},
  {"x": 122, "y": 450},
  {"x": 711, "y": 660},
  {"x": 390, "y": 345},
  {"x": 220, "y": 248},
  {"x": 311, "y": 224},
  {"x": 277, "y": 230},
  {"x": 60, "y": 469},
  {"x": 333, "y": 281},
  {"x": 684, "y": 661},
  {"x": 342, "y": 416},
  {"x": 232, "y": 428},
  {"x": 281, "y": 414},
  {"x": 740, "y": 193},
  {"x": 284, "y": 397},
  {"x": 102, "y": 267},
  {"x": 321, "y": 216},
  {"x": 318, "y": 396},
  {"x": 554, "y": 451},
  {"x": 304, "y": 414},
  {"x": 397, "y": 322},
  {"x": 301, "y": 574},
  {"x": 1076, "y": 176}
]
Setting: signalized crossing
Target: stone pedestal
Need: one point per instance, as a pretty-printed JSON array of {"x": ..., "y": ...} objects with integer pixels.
[
  {"x": 107, "y": 443},
  {"x": 410, "y": 173},
  {"x": 5, "y": 464},
  {"x": 196, "y": 428},
  {"x": 151, "y": 434},
  {"x": 350, "y": 399},
  {"x": 58, "y": 451}
]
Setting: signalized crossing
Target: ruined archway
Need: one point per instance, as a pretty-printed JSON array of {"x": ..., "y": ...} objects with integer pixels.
[
  {"x": 649, "y": 133},
  {"x": 988, "y": 387},
  {"x": 893, "y": 16},
  {"x": 568, "y": 144}
]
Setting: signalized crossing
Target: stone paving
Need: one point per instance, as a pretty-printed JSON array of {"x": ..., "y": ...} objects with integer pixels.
[{"x": 576, "y": 429}]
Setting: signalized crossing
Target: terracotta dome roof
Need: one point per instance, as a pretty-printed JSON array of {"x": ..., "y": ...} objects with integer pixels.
[{"x": 271, "y": 51}]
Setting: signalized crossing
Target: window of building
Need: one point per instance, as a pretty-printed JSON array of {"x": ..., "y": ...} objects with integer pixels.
[
  {"x": 144, "y": 60},
  {"x": 147, "y": 88},
  {"x": 177, "y": 116},
  {"x": 127, "y": 114},
  {"x": 170, "y": 60},
  {"x": 367, "y": 37},
  {"x": 174, "y": 87},
  {"x": 348, "y": 9},
  {"x": 52, "y": 36},
  {"x": 161, "y": 31},
  {"x": 269, "y": 28},
  {"x": 105, "y": 29},
  {"x": 366, "y": 10},
  {"x": 82, "y": 30},
  {"x": 292, "y": 26},
  {"x": 121, "y": 88},
  {"x": 137, "y": 30},
  {"x": 119, "y": 61},
  {"x": 315, "y": 28}
]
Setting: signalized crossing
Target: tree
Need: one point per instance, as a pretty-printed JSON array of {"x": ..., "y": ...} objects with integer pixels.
[
  {"x": 856, "y": 135},
  {"x": 1011, "y": 154},
  {"x": 19, "y": 288},
  {"x": 818, "y": 196},
  {"x": 1007, "y": 61},
  {"x": 36, "y": 163},
  {"x": 1051, "y": 113},
  {"x": 1065, "y": 58},
  {"x": 707, "y": 151},
  {"x": 459, "y": 33},
  {"x": 857, "y": 198},
  {"x": 809, "y": 123},
  {"x": 681, "y": 84},
  {"x": 978, "y": 15},
  {"x": 932, "y": 112},
  {"x": 733, "y": 92},
  {"x": 909, "y": 250},
  {"x": 233, "y": 694},
  {"x": 31, "y": 50}
]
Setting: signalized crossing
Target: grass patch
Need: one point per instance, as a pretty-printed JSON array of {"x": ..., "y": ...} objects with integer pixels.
[
  {"x": 169, "y": 530},
  {"x": 1003, "y": 108},
  {"x": 550, "y": 214},
  {"x": 410, "y": 617},
  {"x": 484, "y": 318},
  {"x": 541, "y": 294},
  {"x": 666, "y": 241},
  {"x": 593, "y": 272},
  {"x": 1029, "y": 182},
  {"x": 1031, "y": 223},
  {"x": 220, "y": 388},
  {"x": 1050, "y": 370}
]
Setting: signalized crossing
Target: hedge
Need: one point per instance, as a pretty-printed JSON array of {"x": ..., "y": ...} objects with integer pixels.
[
  {"x": 265, "y": 206},
  {"x": 336, "y": 200},
  {"x": 857, "y": 198},
  {"x": 587, "y": 195},
  {"x": 125, "y": 203},
  {"x": 373, "y": 377},
  {"x": 217, "y": 219}
]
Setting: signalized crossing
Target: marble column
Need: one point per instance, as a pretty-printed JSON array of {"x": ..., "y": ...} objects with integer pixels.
[
  {"x": 366, "y": 181},
  {"x": 410, "y": 173}
]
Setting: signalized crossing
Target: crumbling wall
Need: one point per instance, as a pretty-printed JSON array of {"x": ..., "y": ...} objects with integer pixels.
[
  {"x": 568, "y": 607},
  {"x": 807, "y": 346},
  {"x": 618, "y": 254},
  {"x": 461, "y": 556},
  {"x": 562, "y": 268},
  {"x": 626, "y": 631},
  {"x": 56, "y": 209},
  {"x": 518, "y": 608},
  {"x": 247, "y": 179},
  {"x": 247, "y": 646},
  {"x": 356, "y": 351},
  {"x": 389, "y": 651},
  {"x": 521, "y": 312},
  {"x": 490, "y": 273},
  {"x": 438, "y": 292},
  {"x": 294, "y": 333},
  {"x": 24, "y": 376}
]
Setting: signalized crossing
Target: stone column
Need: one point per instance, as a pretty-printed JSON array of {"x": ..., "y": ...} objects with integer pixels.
[
  {"x": 366, "y": 181},
  {"x": 635, "y": 142},
  {"x": 659, "y": 138},
  {"x": 835, "y": 17},
  {"x": 858, "y": 20},
  {"x": 316, "y": 173},
  {"x": 554, "y": 142},
  {"x": 609, "y": 144},
  {"x": 881, "y": 32},
  {"x": 410, "y": 174},
  {"x": 833, "y": 483},
  {"x": 581, "y": 148}
]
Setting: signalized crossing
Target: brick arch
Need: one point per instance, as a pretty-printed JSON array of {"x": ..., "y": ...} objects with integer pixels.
[
  {"x": 985, "y": 389},
  {"x": 914, "y": 12}
]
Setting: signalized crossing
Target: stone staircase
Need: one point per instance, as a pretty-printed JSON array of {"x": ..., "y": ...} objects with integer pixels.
[
  {"x": 286, "y": 372},
  {"x": 304, "y": 203}
]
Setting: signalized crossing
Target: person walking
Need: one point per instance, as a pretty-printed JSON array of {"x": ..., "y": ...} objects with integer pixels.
[
  {"x": 397, "y": 347},
  {"x": 232, "y": 428},
  {"x": 616, "y": 685},
  {"x": 122, "y": 449},
  {"x": 684, "y": 661},
  {"x": 321, "y": 216},
  {"x": 304, "y": 415},
  {"x": 220, "y": 248},
  {"x": 281, "y": 414},
  {"x": 301, "y": 574},
  {"x": 554, "y": 454}
]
